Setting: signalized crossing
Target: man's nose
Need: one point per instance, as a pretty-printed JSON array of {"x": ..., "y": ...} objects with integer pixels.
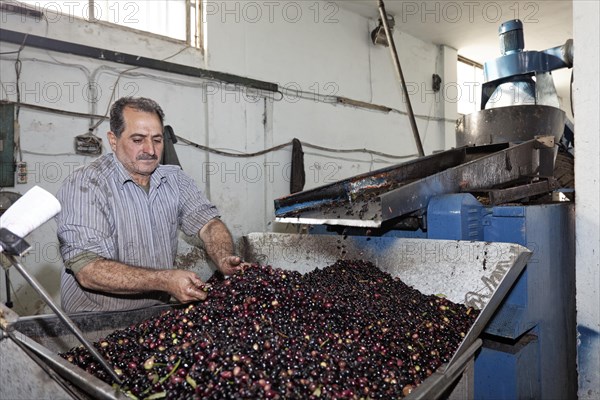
[{"x": 149, "y": 147}]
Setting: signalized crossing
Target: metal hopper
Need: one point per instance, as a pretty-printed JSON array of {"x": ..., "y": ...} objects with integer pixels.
[{"x": 477, "y": 274}]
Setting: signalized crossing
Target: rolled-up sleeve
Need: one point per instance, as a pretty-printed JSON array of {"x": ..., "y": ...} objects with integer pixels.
[
  {"x": 195, "y": 210},
  {"x": 83, "y": 225}
]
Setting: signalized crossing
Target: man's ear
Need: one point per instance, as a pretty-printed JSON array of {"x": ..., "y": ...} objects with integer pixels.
[{"x": 112, "y": 140}]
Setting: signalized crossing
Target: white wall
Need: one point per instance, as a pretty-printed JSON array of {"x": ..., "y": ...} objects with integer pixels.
[
  {"x": 587, "y": 172},
  {"x": 292, "y": 49}
]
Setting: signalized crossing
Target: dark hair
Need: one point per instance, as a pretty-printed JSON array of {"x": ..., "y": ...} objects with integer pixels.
[{"x": 117, "y": 122}]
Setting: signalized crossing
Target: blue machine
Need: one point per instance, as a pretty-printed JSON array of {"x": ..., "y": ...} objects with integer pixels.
[
  {"x": 529, "y": 351},
  {"x": 530, "y": 348},
  {"x": 518, "y": 98},
  {"x": 521, "y": 77}
]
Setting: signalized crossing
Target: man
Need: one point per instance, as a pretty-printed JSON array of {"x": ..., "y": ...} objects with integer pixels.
[{"x": 119, "y": 220}]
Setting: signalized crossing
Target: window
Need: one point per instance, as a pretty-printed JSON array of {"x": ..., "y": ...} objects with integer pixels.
[
  {"x": 177, "y": 19},
  {"x": 470, "y": 80}
]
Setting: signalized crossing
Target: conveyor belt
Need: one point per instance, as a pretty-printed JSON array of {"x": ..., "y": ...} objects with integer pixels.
[{"x": 368, "y": 200}]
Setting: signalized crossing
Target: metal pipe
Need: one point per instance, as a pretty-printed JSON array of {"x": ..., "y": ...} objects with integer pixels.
[
  {"x": 198, "y": 36},
  {"x": 563, "y": 52},
  {"x": 396, "y": 60},
  {"x": 188, "y": 22},
  {"x": 63, "y": 317},
  {"x": 91, "y": 11}
]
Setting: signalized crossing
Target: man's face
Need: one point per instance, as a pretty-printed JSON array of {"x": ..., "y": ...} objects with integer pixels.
[{"x": 140, "y": 145}]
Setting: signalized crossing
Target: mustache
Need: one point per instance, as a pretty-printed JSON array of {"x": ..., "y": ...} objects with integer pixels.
[{"x": 146, "y": 156}]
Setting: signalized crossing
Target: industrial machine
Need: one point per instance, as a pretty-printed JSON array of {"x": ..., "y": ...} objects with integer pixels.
[{"x": 498, "y": 186}]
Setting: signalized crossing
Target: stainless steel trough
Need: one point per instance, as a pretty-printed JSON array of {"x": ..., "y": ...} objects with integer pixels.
[
  {"x": 476, "y": 274},
  {"x": 39, "y": 339}
]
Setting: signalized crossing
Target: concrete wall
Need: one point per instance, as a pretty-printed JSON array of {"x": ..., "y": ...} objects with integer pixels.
[
  {"x": 290, "y": 46},
  {"x": 587, "y": 171}
]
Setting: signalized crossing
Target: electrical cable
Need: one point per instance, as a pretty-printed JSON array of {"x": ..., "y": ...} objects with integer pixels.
[
  {"x": 60, "y": 112},
  {"x": 300, "y": 94},
  {"x": 287, "y": 144},
  {"x": 371, "y": 162},
  {"x": 112, "y": 95},
  {"x": 17, "y": 126},
  {"x": 229, "y": 154},
  {"x": 18, "y": 69},
  {"x": 179, "y": 82},
  {"x": 35, "y": 153},
  {"x": 9, "y": 52},
  {"x": 358, "y": 150},
  {"x": 18, "y": 66},
  {"x": 283, "y": 92},
  {"x": 217, "y": 151},
  {"x": 424, "y": 138},
  {"x": 53, "y": 62},
  {"x": 335, "y": 100}
]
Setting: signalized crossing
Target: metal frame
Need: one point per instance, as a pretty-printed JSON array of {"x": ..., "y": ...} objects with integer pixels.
[{"x": 371, "y": 199}]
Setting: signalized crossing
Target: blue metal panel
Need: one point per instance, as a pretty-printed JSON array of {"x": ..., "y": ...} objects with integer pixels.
[
  {"x": 542, "y": 298},
  {"x": 454, "y": 216},
  {"x": 506, "y": 372},
  {"x": 542, "y": 302},
  {"x": 505, "y": 211},
  {"x": 522, "y": 63},
  {"x": 507, "y": 224},
  {"x": 462, "y": 217}
]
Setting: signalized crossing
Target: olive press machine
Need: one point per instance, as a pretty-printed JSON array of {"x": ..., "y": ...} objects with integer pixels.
[
  {"x": 419, "y": 221},
  {"x": 497, "y": 187}
]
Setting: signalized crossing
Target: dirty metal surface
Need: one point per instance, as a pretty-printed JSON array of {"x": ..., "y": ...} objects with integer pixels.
[
  {"x": 46, "y": 336},
  {"x": 91, "y": 385},
  {"x": 359, "y": 207},
  {"x": 476, "y": 274},
  {"x": 512, "y": 124},
  {"x": 22, "y": 378},
  {"x": 49, "y": 331},
  {"x": 517, "y": 162},
  {"x": 353, "y": 201},
  {"x": 501, "y": 196}
]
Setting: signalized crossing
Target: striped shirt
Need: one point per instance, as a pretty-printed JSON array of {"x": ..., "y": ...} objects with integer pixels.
[{"x": 104, "y": 212}]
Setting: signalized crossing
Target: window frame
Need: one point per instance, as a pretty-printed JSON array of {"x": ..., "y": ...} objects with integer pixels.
[
  {"x": 195, "y": 41},
  {"x": 475, "y": 65}
]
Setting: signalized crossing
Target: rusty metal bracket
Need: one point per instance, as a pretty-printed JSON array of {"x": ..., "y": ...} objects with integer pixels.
[
  {"x": 7, "y": 318},
  {"x": 502, "y": 196}
]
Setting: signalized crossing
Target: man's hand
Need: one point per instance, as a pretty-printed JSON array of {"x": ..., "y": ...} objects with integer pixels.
[
  {"x": 185, "y": 286},
  {"x": 219, "y": 246},
  {"x": 231, "y": 264}
]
